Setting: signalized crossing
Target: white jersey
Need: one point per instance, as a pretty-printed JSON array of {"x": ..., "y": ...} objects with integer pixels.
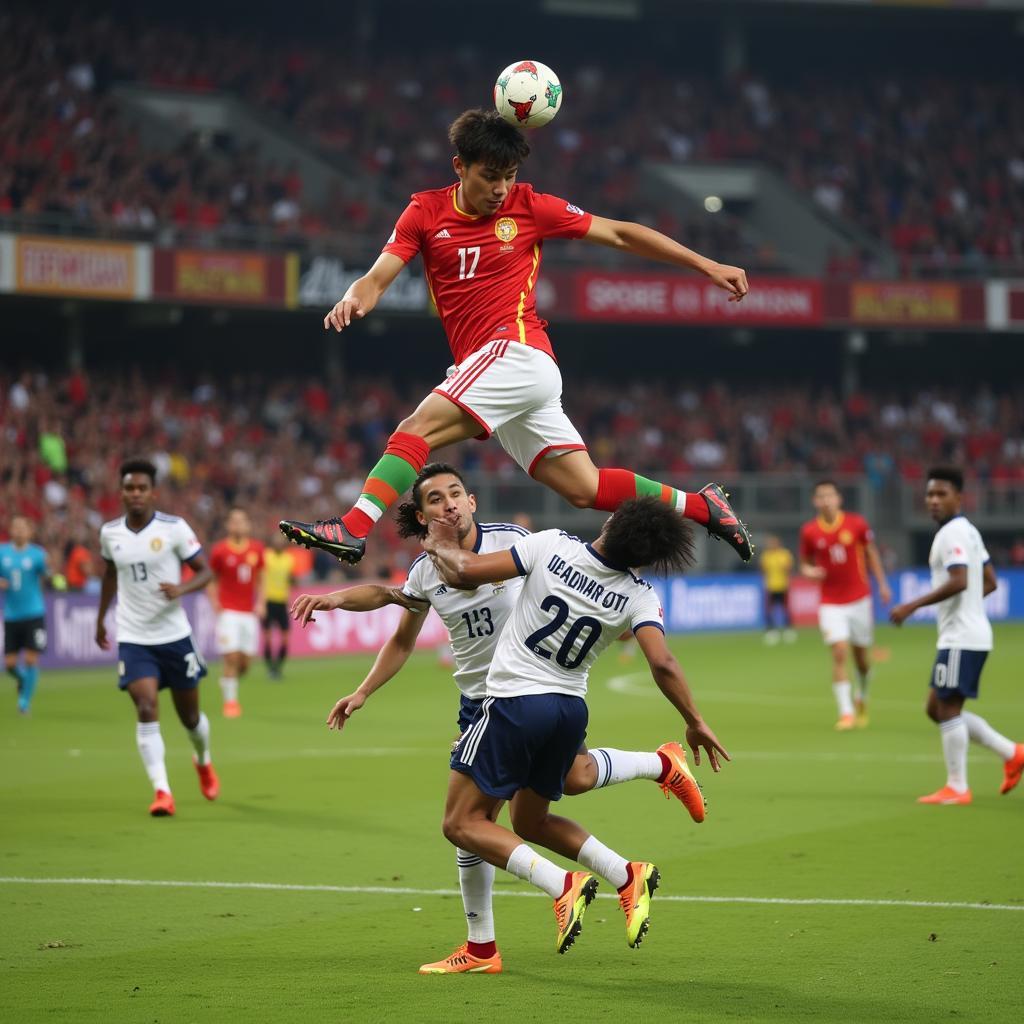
[
  {"x": 144, "y": 560},
  {"x": 573, "y": 605},
  {"x": 474, "y": 618},
  {"x": 962, "y": 620}
]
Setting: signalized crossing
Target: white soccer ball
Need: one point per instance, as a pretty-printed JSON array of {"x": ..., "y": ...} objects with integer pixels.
[{"x": 527, "y": 94}]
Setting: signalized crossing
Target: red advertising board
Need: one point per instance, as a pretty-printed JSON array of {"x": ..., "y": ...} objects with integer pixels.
[
  {"x": 52, "y": 266},
  {"x": 242, "y": 278},
  {"x": 675, "y": 299}
]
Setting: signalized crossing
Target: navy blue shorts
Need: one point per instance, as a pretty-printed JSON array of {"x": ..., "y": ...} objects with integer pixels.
[
  {"x": 527, "y": 742},
  {"x": 467, "y": 712},
  {"x": 177, "y": 665},
  {"x": 957, "y": 672}
]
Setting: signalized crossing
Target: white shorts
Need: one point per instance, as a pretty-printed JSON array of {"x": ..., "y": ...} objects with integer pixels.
[
  {"x": 514, "y": 391},
  {"x": 853, "y": 622},
  {"x": 238, "y": 633}
]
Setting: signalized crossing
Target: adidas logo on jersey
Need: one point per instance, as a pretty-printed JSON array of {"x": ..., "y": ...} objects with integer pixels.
[
  {"x": 440, "y": 590},
  {"x": 443, "y": 233}
]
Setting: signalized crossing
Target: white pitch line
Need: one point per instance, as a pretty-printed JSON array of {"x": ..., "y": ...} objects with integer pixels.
[{"x": 383, "y": 890}]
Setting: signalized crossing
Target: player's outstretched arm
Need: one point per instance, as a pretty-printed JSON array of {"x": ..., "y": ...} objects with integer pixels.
[
  {"x": 364, "y": 293},
  {"x": 463, "y": 569},
  {"x": 669, "y": 676},
  {"x": 108, "y": 590},
  {"x": 388, "y": 663},
  {"x": 954, "y": 585},
  {"x": 643, "y": 241},
  {"x": 364, "y": 598}
]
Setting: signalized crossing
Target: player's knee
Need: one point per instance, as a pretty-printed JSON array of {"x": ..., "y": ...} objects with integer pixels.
[
  {"x": 579, "y": 498},
  {"x": 582, "y": 777},
  {"x": 454, "y": 828}
]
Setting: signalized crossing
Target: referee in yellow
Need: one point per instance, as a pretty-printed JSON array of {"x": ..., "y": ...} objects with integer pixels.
[
  {"x": 278, "y": 576},
  {"x": 776, "y": 568}
]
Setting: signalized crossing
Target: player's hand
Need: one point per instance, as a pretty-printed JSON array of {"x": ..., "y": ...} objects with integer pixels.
[
  {"x": 101, "y": 636},
  {"x": 344, "y": 710},
  {"x": 305, "y": 604},
  {"x": 899, "y": 614},
  {"x": 345, "y": 311},
  {"x": 816, "y": 572},
  {"x": 171, "y": 591},
  {"x": 441, "y": 533},
  {"x": 700, "y": 735},
  {"x": 732, "y": 279},
  {"x": 885, "y": 593}
]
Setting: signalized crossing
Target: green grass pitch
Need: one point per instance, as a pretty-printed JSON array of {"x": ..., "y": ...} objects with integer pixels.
[{"x": 801, "y": 814}]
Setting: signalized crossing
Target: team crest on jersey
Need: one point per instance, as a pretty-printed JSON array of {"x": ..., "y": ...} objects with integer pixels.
[
  {"x": 506, "y": 229},
  {"x": 156, "y": 543},
  {"x": 845, "y": 537}
]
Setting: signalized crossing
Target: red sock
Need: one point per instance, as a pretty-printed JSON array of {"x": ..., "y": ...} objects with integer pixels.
[
  {"x": 666, "y": 766},
  {"x": 357, "y": 522},
  {"x": 696, "y": 508},
  {"x": 614, "y": 486},
  {"x": 482, "y": 950}
]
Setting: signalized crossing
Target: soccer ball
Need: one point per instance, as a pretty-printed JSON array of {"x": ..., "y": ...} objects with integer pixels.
[{"x": 527, "y": 94}]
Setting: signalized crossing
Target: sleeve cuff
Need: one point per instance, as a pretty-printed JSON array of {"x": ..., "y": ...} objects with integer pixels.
[
  {"x": 955, "y": 565},
  {"x": 649, "y": 622},
  {"x": 519, "y": 562},
  {"x": 417, "y": 598},
  {"x": 198, "y": 551}
]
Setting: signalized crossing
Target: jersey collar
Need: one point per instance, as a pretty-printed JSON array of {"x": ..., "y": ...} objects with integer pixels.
[
  {"x": 835, "y": 526},
  {"x": 604, "y": 561},
  {"x": 458, "y": 209},
  {"x": 151, "y": 519}
]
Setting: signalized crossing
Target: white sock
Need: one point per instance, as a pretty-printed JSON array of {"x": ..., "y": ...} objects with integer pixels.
[
  {"x": 863, "y": 680},
  {"x": 981, "y": 732},
  {"x": 955, "y": 738},
  {"x": 200, "y": 739},
  {"x": 229, "y": 688},
  {"x": 615, "y": 766},
  {"x": 476, "y": 880},
  {"x": 595, "y": 856},
  {"x": 531, "y": 867},
  {"x": 151, "y": 749},
  {"x": 844, "y": 701}
]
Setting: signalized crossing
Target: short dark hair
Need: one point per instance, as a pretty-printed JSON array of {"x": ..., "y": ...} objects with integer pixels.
[
  {"x": 484, "y": 136},
  {"x": 950, "y": 474},
  {"x": 405, "y": 515},
  {"x": 826, "y": 482},
  {"x": 645, "y": 532},
  {"x": 139, "y": 466}
]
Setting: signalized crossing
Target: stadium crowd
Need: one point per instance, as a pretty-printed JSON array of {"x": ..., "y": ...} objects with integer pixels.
[
  {"x": 302, "y": 446},
  {"x": 877, "y": 151}
]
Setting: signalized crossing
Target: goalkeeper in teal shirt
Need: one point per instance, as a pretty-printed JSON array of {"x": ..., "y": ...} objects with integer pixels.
[{"x": 23, "y": 570}]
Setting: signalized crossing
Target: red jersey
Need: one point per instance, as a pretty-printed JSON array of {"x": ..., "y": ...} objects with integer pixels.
[
  {"x": 839, "y": 550},
  {"x": 236, "y": 569},
  {"x": 482, "y": 270}
]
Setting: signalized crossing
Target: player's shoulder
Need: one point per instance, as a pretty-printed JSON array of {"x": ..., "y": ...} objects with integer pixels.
[
  {"x": 168, "y": 518},
  {"x": 811, "y": 526},
  {"x": 500, "y": 528},
  {"x": 112, "y": 524},
  {"x": 431, "y": 198},
  {"x": 419, "y": 565}
]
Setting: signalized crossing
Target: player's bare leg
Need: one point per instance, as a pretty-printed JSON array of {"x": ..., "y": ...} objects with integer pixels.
[
  {"x": 144, "y": 694},
  {"x": 862, "y": 661},
  {"x": 197, "y": 725},
  {"x": 841, "y": 689},
  {"x": 575, "y": 477},
  {"x": 435, "y": 423},
  {"x": 635, "y": 880},
  {"x": 468, "y": 825}
]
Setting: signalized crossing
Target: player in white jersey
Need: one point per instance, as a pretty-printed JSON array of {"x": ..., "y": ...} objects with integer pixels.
[
  {"x": 962, "y": 577},
  {"x": 576, "y": 600},
  {"x": 144, "y": 551},
  {"x": 474, "y": 620}
]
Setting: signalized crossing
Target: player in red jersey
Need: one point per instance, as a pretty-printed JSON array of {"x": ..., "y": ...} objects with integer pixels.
[
  {"x": 237, "y": 597},
  {"x": 833, "y": 549},
  {"x": 480, "y": 240}
]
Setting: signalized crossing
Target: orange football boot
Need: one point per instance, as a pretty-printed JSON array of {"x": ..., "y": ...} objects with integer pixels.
[
  {"x": 232, "y": 709},
  {"x": 463, "y": 962},
  {"x": 162, "y": 805},
  {"x": 1013, "y": 769},
  {"x": 209, "y": 784},
  {"x": 635, "y": 900},
  {"x": 571, "y": 906},
  {"x": 946, "y": 795},
  {"x": 846, "y": 723},
  {"x": 679, "y": 781}
]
